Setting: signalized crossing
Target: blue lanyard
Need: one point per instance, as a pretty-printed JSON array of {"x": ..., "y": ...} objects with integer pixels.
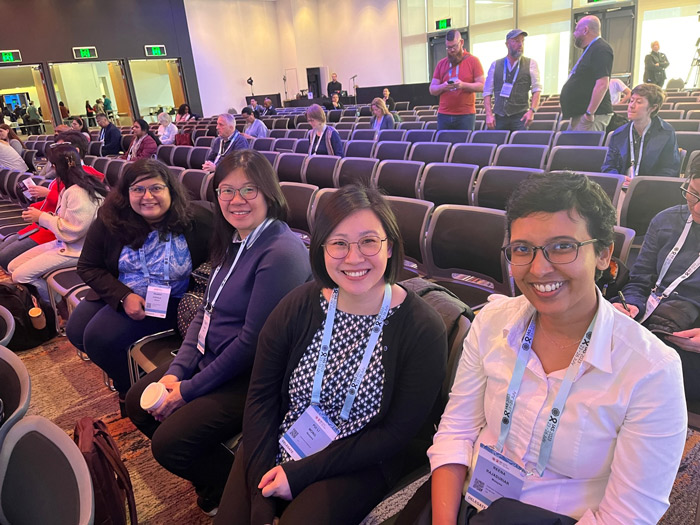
[
  {"x": 559, "y": 402},
  {"x": 326, "y": 346},
  {"x": 573, "y": 70},
  {"x": 166, "y": 262},
  {"x": 505, "y": 71}
]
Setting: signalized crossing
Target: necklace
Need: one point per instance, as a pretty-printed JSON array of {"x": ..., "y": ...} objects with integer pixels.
[{"x": 559, "y": 345}]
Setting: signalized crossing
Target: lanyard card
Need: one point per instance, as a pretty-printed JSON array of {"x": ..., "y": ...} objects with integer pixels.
[
  {"x": 157, "y": 298},
  {"x": 495, "y": 476},
  {"x": 311, "y": 433},
  {"x": 506, "y": 90},
  {"x": 202, "y": 336}
]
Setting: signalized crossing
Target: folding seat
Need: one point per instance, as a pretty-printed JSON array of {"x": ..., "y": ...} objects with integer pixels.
[
  {"x": 399, "y": 177},
  {"x": 354, "y": 171},
  {"x": 163, "y": 154},
  {"x": 347, "y": 126},
  {"x": 280, "y": 123},
  {"x": 579, "y": 138},
  {"x": 198, "y": 133},
  {"x": 297, "y": 134},
  {"x": 546, "y": 114},
  {"x": 114, "y": 171},
  {"x": 495, "y": 184},
  {"x": 531, "y": 137},
  {"x": 521, "y": 155},
  {"x": 468, "y": 260},
  {"x": 101, "y": 164},
  {"x": 563, "y": 125},
  {"x": 489, "y": 136},
  {"x": 391, "y": 150},
  {"x": 687, "y": 106},
  {"x": 359, "y": 148},
  {"x": 401, "y": 106},
  {"x": 392, "y": 135},
  {"x": 647, "y": 196},
  {"x": 363, "y": 134},
  {"x": 278, "y": 134},
  {"x": 421, "y": 108},
  {"x": 409, "y": 125},
  {"x": 194, "y": 181},
  {"x": 89, "y": 160},
  {"x": 689, "y": 141},
  {"x": 447, "y": 183},
  {"x": 453, "y": 136},
  {"x": 349, "y": 112},
  {"x": 271, "y": 156},
  {"x": 542, "y": 125},
  {"x": 28, "y": 157},
  {"x": 348, "y": 120},
  {"x": 302, "y": 146},
  {"x": 684, "y": 124},
  {"x": 177, "y": 171},
  {"x": 95, "y": 148},
  {"x": 318, "y": 202},
  {"x": 304, "y": 125},
  {"x": 412, "y": 216},
  {"x": 365, "y": 111},
  {"x": 198, "y": 156},
  {"x": 181, "y": 155},
  {"x": 334, "y": 115},
  {"x": 693, "y": 115},
  {"x": 204, "y": 142},
  {"x": 126, "y": 142},
  {"x": 671, "y": 114},
  {"x": 622, "y": 244},
  {"x": 299, "y": 197},
  {"x": 479, "y": 154},
  {"x": 285, "y": 145},
  {"x": 428, "y": 118},
  {"x": 576, "y": 158},
  {"x": 419, "y": 135},
  {"x": 430, "y": 151},
  {"x": 319, "y": 169},
  {"x": 431, "y": 125},
  {"x": 289, "y": 166},
  {"x": 264, "y": 144}
]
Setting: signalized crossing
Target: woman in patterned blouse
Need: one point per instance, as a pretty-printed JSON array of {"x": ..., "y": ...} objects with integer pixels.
[{"x": 346, "y": 372}]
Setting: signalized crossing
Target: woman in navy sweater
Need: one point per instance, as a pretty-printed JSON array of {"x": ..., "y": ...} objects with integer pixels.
[{"x": 257, "y": 260}]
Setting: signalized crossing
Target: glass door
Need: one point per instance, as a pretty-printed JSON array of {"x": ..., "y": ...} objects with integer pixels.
[
  {"x": 24, "y": 101},
  {"x": 158, "y": 85}
]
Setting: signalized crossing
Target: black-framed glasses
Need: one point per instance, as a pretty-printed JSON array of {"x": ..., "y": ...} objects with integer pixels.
[
  {"x": 692, "y": 198},
  {"x": 368, "y": 246},
  {"x": 556, "y": 252},
  {"x": 248, "y": 193},
  {"x": 154, "y": 189}
]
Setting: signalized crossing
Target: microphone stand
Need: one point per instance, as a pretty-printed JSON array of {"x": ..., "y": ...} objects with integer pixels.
[
  {"x": 354, "y": 87},
  {"x": 284, "y": 79}
]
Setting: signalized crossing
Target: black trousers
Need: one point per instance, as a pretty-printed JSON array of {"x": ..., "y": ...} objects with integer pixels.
[
  {"x": 339, "y": 500},
  {"x": 188, "y": 442}
]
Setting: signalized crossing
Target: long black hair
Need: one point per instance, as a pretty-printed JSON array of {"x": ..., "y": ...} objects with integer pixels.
[
  {"x": 69, "y": 171},
  {"x": 130, "y": 228},
  {"x": 83, "y": 124},
  {"x": 145, "y": 127}
]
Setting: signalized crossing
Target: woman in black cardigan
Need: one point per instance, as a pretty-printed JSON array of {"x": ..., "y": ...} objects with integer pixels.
[{"x": 147, "y": 218}]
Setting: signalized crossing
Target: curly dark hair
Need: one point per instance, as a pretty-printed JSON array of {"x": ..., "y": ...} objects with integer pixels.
[{"x": 130, "y": 228}]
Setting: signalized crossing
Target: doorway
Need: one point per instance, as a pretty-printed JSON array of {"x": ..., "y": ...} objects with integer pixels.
[
  {"x": 437, "y": 48},
  {"x": 158, "y": 86},
  {"x": 23, "y": 86}
]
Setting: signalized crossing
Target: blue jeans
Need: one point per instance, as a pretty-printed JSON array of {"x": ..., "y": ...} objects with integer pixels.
[
  {"x": 13, "y": 247},
  {"x": 513, "y": 122},
  {"x": 463, "y": 122}
]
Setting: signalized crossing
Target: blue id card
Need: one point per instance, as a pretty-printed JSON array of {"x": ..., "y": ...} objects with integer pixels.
[
  {"x": 311, "y": 433},
  {"x": 495, "y": 476}
]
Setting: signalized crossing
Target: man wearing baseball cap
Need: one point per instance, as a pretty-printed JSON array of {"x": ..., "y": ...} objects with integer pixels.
[{"x": 509, "y": 83}]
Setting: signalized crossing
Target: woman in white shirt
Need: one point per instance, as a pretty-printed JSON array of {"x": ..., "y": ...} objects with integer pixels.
[
  {"x": 607, "y": 452},
  {"x": 167, "y": 130}
]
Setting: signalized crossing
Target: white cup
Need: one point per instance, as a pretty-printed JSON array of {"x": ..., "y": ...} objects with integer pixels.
[{"x": 153, "y": 396}]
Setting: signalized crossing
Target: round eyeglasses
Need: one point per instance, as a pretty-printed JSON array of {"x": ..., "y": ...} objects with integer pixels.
[
  {"x": 556, "y": 252},
  {"x": 155, "y": 190},
  {"x": 368, "y": 246},
  {"x": 248, "y": 193}
]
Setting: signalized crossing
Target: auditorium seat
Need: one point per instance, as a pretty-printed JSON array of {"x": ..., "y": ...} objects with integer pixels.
[
  {"x": 579, "y": 138},
  {"x": 689, "y": 141},
  {"x": 420, "y": 135},
  {"x": 412, "y": 216},
  {"x": 334, "y": 115},
  {"x": 290, "y": 166},
  {"x": 693, "y": 115},
  {"x": 407, "y": 125},
  {"x": 479, "y": 154},
  {"x": 285, "y": 145},
  {"x": 302, "y": 146},
  {"x": 297, "y": 134},
  {"x": 391, "y": 150},
  {"x": 391, "y": 135},
  {"x": 354, "y": 171},
  {"x": 521, "y": 155},
  {"x": 546, "y": 114},
  {"x": 194, "y": 181},
  {"x": 263, "y": 144},
  {"x": 345, "y": 126},
  {"x": 204, "y": 142},
  {"x": 114, "y": 171},
  {"x": 177, "y": 171},
  {"x": 401, "y": 106},
  {"x": 495, "y": 184},
  {"x": 344, "y": 134},
  {"x": 319, "y": 169},
  {"x": 489, "y": 136},
  {"x": 531, "y": 137},
  {"x": 670, "y": 114},
  {"x": 578, "y": 158},
  {"x": 359, "y": 148},
  {"x": 684, "y": 124},
  {"x": 542, "y": 125},
  {"x": 447, "y": 183},
  {"x": 101, "y": 164},
  {"x": 180, "y": 156},
  {"x": 164, "y": 154},
  {"x": 647, "y": 196},
  {"x": 299, "y": 197},
  {"x": 431, "y": 125},
  {"x": 399, "y": 177},
  {"x": 28, "y": 157},
  {"x": 126, "y": 142},
  {"x": 363, "y": 134},
  {"x": 271, "y": 156},
  {"x": 319, "y": 201},
  {"x": 453, "y": 136},
  {"x": 430, "y": 151},
  {"x": 278, "y": 134}
]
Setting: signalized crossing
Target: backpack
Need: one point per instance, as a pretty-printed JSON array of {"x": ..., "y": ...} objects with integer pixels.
[
  {"x": 111, "y": 483},
  {"x": 19, "y": 299}
]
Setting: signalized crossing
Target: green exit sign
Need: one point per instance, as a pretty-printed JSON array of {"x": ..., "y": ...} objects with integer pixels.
[
  {"x": 155, "y": 50},
  {"x": 445, "y": 23},
  {"x": 84, "y": 52},
  {"x": 10, "y": 57}
]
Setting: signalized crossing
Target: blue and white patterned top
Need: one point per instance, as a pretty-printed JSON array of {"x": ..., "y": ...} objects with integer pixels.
[{"x": 131, "y": 274}]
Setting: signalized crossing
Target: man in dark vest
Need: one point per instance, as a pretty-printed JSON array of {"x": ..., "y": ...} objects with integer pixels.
[
  {"x": 655, "y": 64},
  {"x": 509, "y": 83}
]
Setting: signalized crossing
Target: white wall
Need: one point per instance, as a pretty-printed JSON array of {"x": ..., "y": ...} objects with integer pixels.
[
  {"x": 152, "y": 84},
  {"x": 235, "y": 39}
]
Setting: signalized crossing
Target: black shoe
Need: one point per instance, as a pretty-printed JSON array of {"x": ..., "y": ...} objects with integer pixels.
[{"x": 208, "y": 506}]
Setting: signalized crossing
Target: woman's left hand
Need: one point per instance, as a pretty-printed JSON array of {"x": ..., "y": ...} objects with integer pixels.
[
  {"x": 687, "y": 339},
  {"x": 274, "y": 483},
  {"x": 172, "y": 402},
  {"x": 31, "y": 214}
]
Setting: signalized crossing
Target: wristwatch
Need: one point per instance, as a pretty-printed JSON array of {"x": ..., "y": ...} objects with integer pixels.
[
  {"x": 589, "y": 113},
  {"x": 533, "y": 110}
]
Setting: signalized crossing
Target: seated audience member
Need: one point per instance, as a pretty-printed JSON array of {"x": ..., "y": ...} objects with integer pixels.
[
  {"x": 255, "y": 107},
  {"x": 10, "y": 159},
  {"x": 619, "y": 92},
  {"x": 595, "y": 420},
  {"x": 34, "y": 234},
  {"x": 647, "y": 144},
  {"x": 78, "y": 124},
  {"x": 166, "y": 129},
  {"x": 228, "y": 141},
  {"x": 8, "y": 136},
  {"x": 659, "y": 294},
  {"x": 386, "y": 97},
  {"x": 323, "y": 140},
  {"x": 253, "y": 128},
  {"x": 208, "y": 380},
  {"x": 381, "y": 118},
  {"x": 78, "y": 202},
  {"x": 145, "y": 143},
  {"x": 335, "y": 102},
  {"x": 268, "y": 109},
  {"x": 110, "y": 136},
  {"x": 384, "y": 355},
  {"x": 146, "y": 220},
  {"x": 184, "y": 113}
]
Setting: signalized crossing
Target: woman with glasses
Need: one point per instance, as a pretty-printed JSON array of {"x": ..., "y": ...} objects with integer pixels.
[
  {"x": 575, "y": 406},
  {"x": 323, "y": 140},
  {"x": 663, "y": 291},
  {"x": 257, "y": 260},
  {"x": 147, "y": 238},
  {"x": 347, "y": 369}
]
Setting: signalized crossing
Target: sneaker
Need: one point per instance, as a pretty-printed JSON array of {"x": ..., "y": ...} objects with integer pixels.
[{"x": 208, "y": 506}]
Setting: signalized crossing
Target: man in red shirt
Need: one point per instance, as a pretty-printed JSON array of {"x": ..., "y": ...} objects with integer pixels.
[{"x": 456, "y": 78}]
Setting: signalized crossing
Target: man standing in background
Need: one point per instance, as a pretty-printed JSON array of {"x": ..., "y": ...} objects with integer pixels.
[
  {"x": 655, "y": 64},
  {"x": 456, "y": 78},
  {"x": 509, "y": 82},
  {"x": 585, "y": 98},
  {"x": 334, "y": 86}
]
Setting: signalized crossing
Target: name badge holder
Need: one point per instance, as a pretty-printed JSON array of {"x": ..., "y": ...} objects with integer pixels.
[
  {"x": 507, "y": 87},
  {"x": 495, "y": 475},
  {"x": 454, "y": 78},
  {"x": 221, "y": 147},
  {"x": 635, "y": 162},
  {"x": 655, "y": 297},
  {"x": 157, "y": 295},
  {"x": 314, "y": 430},
  {"x": 573, "y": 69}
]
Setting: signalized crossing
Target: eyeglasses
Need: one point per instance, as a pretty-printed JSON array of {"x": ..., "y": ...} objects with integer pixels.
[
  {"x": 155, "y": 190},
  {"x": 556, "y": 252},
  {"x": 248, "y": 193},
  {"x": 692, "y": 198},
  {"x": 454, "y": 47},
  {"x": 368, "y": 246}
]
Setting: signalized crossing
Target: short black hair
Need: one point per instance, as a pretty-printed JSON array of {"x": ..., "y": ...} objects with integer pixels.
[
  {"x": 339, "y": 206},
  {"x": 76, "y": 138},
  {"x": 567, "y": 191},
  {"x": 248, "y": 111}
]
